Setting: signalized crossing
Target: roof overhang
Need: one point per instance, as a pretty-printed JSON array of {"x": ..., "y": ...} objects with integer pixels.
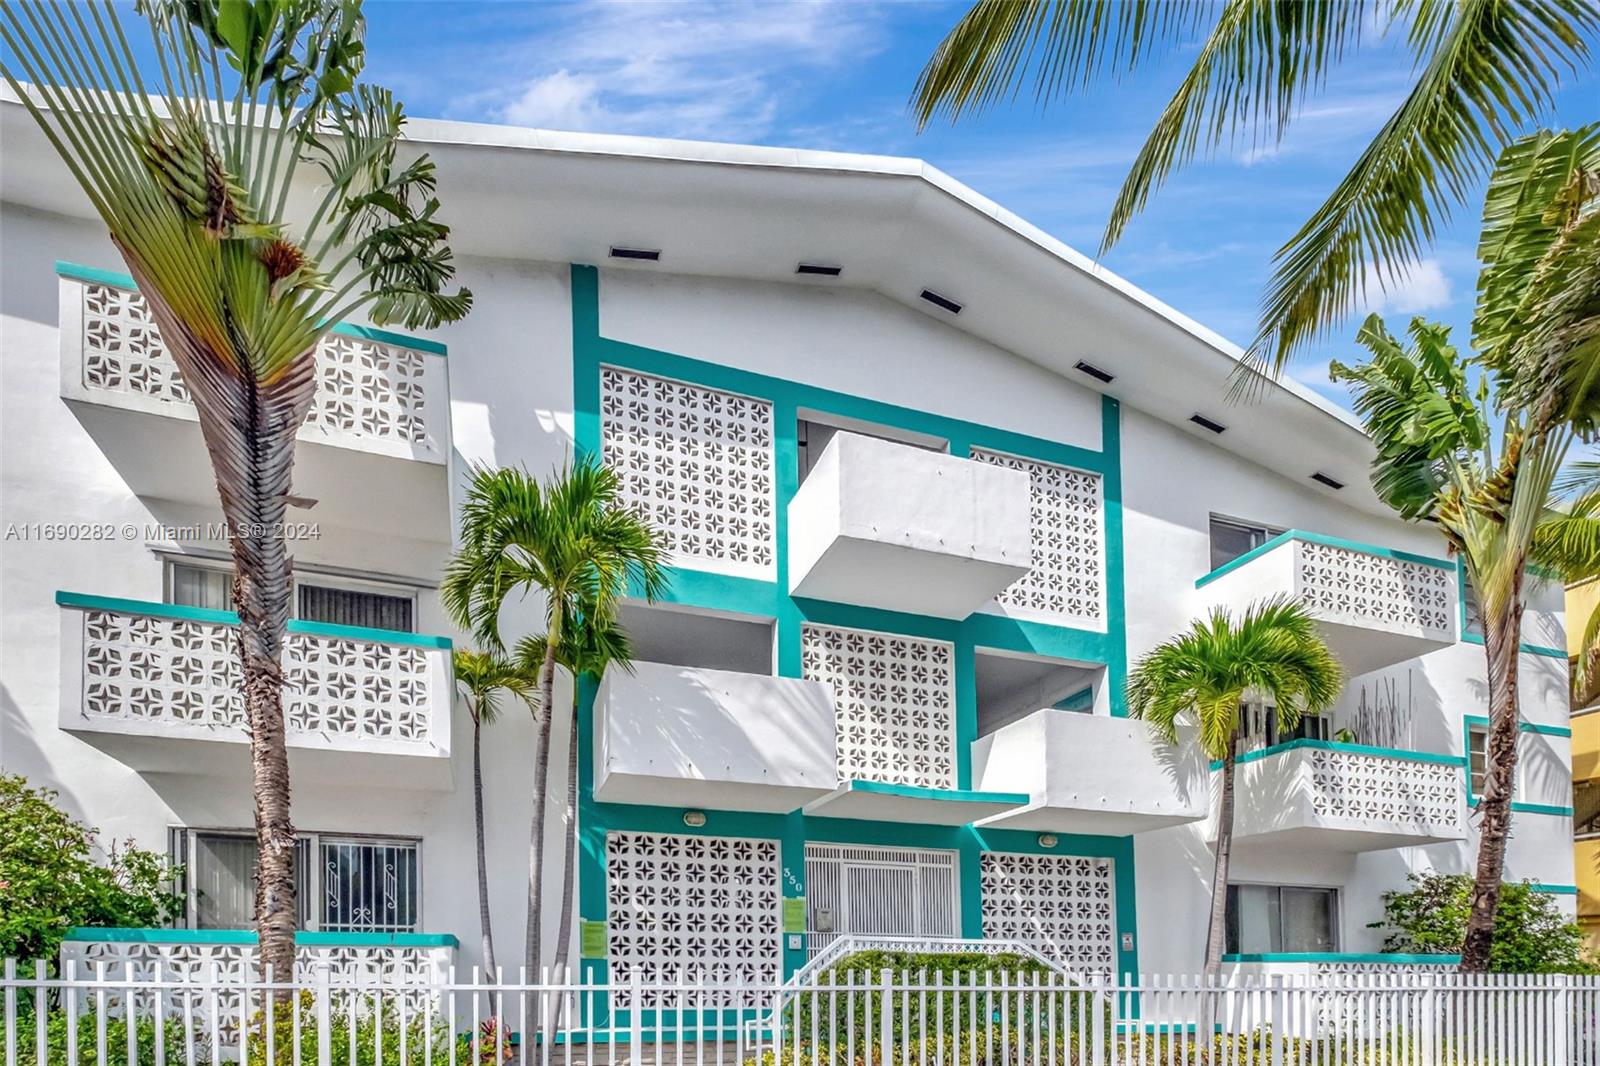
[{"x": 895, "y": 225}]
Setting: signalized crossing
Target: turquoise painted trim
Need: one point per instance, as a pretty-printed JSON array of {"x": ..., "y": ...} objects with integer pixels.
[
  {"x": 1553, "y": 890},
  {"x": 943, "y": 795},
  {"x": 1332, "y": 542},
  {"x": 307, "y": 938},
  {"x": 1342, "y": 956},
  {"x": 768, "y": 598},
  {"x": 1355, "y": 749},
  {"x": 179, "y": 612},
  {"x": 1526, "y": 727},
  {"x": 97, "y": 276}
]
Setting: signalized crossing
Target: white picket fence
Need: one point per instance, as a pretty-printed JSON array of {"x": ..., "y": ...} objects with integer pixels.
[{"x": 1404, "y": 1018}]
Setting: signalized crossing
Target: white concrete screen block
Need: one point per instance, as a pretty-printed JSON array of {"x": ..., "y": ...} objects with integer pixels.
[
  {"x": 680, "y": 736},
  {"x": 888, "y": 525},
  {"x": 1089, "y": 773}
]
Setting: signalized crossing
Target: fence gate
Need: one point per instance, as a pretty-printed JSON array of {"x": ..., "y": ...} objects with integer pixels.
[{"x": 879, "y": 891}]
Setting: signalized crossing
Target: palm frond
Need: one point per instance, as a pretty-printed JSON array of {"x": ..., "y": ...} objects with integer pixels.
[
  {"x": 1489, "y": 67},
  {"x": 481, "y": 677}
]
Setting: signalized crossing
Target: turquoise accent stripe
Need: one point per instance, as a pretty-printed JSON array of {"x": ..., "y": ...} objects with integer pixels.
[
  {"x": 180, "y": 613},
  {"x": 945, "y": 795},
  {"x": 1332, "y": 542},
  {"x": 1553, "y": 890},
  {"x": 1354, "y": 749},
  {"x": 97, "y": 276},
  {"x": 305, "y": 938},
  {"x": 1526, "y": 727},
  {"x": 1341, "y": 956}
]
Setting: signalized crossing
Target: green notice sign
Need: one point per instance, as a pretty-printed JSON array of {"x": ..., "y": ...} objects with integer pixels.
[
  {"x": 794, "y": 914},
  {"x": 592, "y": 939}
]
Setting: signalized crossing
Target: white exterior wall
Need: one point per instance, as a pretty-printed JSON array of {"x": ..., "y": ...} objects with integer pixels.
[{"x": 511, "y": 392}]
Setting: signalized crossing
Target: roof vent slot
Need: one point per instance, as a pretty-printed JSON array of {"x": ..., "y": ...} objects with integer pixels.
[
  {"x": 941, "y": 301},
  {"x": 648, "y": 255},
  {"x": 1205, "y": 423},
  {"x": 822, "y": 270},
  {"x": 1094, "y": 372},
  {"x": 1332, "y": 483}
]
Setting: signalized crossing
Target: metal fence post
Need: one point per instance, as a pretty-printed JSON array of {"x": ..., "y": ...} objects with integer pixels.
[
  {"x": 324, "y": 1017},
  {"x": 1279, "y": 1018},
  {"x": 885, "y": 1022},
  {"x": 1562, "y": 1019}
]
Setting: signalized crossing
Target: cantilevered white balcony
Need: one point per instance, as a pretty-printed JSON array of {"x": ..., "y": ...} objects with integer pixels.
[
  {"x": 1346, "y": 797},
  {"x": 373, "y": 450},
  {"x": 682, "y": 736},
  {"x": 157, "y": 686},
  {"x": 888, "y": 525},
  {"x": 1376, "y": 607},
  {"x": 1089, "y": 773}
]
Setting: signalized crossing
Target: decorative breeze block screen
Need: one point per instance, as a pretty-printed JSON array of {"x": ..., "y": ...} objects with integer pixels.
[
  {"x": 692, "y": 909},
  {"x": 364, "y": 388},
  {"x": 698, "y": 464},
  {"x": 1423, "y": 796},
  {"x": 1064, "y": 906},
  {"x": 1355, "y": 587},
  {"x": 163, "y": 670},
  {"x": 1067, "y": 528},
  {"x": 894, "y": 700}
]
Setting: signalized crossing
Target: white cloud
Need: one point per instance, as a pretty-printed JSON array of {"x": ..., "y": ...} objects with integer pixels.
[
  {"x": 706, "y": 69},
  {"x": 1423, "y": 286}
]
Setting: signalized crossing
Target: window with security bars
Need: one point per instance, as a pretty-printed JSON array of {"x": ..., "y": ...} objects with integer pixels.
[
  {"x": 344, "y": 884},
  {"x": 870, "y": 891}
]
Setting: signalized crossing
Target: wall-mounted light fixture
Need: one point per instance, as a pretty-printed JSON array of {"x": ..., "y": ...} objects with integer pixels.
[
  {"x": 1047, "y": 840},
  {"x": 694, "y": 819}
]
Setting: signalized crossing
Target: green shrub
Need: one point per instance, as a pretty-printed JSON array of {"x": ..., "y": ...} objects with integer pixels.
[
  {"x": 425, "y": 1045},
  {"x": 144, "y": 1034},
  {"x": 1530, "y": 934},
  {"x": 50, "y": 882}
]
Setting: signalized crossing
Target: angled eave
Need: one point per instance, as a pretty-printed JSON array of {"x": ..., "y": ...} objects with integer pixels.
[{"x": 896, "y": 225}]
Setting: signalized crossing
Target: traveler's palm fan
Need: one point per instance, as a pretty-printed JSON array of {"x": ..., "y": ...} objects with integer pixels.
[{"x": 190, "y": 167}]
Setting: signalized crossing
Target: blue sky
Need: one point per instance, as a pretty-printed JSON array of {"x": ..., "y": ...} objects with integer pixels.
[{"x": 837, "y": 75}]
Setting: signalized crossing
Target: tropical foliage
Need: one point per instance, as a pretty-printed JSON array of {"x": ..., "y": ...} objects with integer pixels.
[
  {"x": 481, "y": 678},
  {"x": 1481, "y": 463},
  {"x": 50, "y": 880},
  {"x": 1272, "y": 652},
  {"x": 1481, "y": 70},
  {"x": 573, "y": 541},
  {"x": 1531, "y": 935},
  {"x": 190, "y": 167}
]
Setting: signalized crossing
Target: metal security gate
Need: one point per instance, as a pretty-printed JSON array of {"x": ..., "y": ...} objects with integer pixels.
[{"x": 883, "y": 891}]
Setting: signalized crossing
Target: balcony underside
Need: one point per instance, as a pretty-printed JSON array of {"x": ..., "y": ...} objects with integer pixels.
[
  {"x": 161, "y": 457},
  {"x": 1362, "y": 649},
  {"x": 1336, "y": 839},
  {"x": 665, "y": 791},
  {"x": 1046, "y": 817},
  {"x": 874, "y": 801},
  {"x": 230, "y": 758}
]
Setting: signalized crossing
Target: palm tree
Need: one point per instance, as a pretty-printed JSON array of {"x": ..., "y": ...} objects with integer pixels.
[
  {"x": 1493, "y": 490},
  {"x": 189, "y": 169},
  {"x": 592, "y": 644},
  {"x": 572, "y": 539},
  {"x": 1482, "y": 70},
  {"x": 480, "y": 677},
  {"x": 1273, "y": 652}
]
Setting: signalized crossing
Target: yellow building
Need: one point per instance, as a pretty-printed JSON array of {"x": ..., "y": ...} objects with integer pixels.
[{"x": 1581, "y": 602}]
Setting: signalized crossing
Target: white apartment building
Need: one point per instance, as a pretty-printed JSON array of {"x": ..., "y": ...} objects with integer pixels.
[{"x": 931, "y": 481}]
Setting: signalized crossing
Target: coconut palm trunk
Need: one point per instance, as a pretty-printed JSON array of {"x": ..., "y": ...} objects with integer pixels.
[
  {"x": 1217, "y": 925},
  {"x": 1502, "y": 638},
  {"x": 485, "y": 926}
]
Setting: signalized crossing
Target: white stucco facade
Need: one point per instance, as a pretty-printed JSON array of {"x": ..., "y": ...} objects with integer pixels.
[{"x": 924, "y": 648}]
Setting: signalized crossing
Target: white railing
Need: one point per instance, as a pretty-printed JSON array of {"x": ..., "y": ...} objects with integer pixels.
[
  {"x": 857, "y": 1019},
  {"x": 375, "y": 392},
  {"x": 164, "y": 671}
]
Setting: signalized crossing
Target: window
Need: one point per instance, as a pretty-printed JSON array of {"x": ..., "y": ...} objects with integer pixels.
[
  {"x": 350, "y": 607},
  {"x": 1231, "y": 539},
  {"x": 364, "y": 604},
  {"x": 1477, "y": 757},
  {"x": 355, "y": 884},
  {"x": 210, "y": 587},
  {"x": 1268, "y": 919},
  {"x": 811, "y": 439},
  {"x": 1586, "y": 808},
  {"x": 1259, "y": 727},
  {"x": 1469, "y": 602}
]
